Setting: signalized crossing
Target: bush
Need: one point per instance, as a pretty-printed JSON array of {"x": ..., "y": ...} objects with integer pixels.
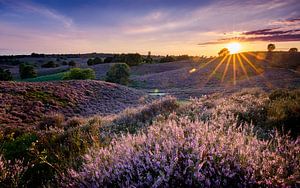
[
  {"x": 183, "y": 153},
  {"x": 27, "y": 71},
  {"x": 129, "y": 59},
  {"x": 108, "y": 60},
  {"x": 118, "y": 73},
  {"x": 167, "y": 59},
  {"x": 5, "y": 75},
  {"x": 72, "y": 63},
  {"x": 79, "y": 74},
  {"x": 95, "y": 61},
  {"x": 284, "y": 111},
  {"x": 50, "y": 64},
  {"x": 54, "y": 121}
]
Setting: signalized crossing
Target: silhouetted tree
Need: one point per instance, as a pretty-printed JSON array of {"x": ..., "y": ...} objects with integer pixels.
[
  {"x": 293, "y": 50},
  {"x": 149, "y": 58},
  {"x": 224, "y": 52},
  {"x": 5, "y": 75},
  {"x": 167, "y": 59},
  {"x": 271, "y": 47}
]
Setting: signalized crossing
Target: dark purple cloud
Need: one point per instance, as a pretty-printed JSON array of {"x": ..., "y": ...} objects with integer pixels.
[{"x": 281, "y": 33}]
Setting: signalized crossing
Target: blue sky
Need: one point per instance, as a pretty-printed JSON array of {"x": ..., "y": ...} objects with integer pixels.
[{"x": 161, "y": 26}]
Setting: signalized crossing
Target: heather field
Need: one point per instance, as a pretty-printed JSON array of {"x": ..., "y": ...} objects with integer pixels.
[
  {"x": 195, "y": 122},
  {"x": 149, "y": 93}
]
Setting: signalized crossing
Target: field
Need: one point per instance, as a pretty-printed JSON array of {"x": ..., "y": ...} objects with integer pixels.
[{"x": 211, "y": 122}]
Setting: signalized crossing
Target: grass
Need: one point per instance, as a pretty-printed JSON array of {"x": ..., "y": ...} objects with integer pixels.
[{"x": 50, "y": 77}]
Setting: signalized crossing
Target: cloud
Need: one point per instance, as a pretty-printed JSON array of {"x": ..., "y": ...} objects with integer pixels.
[
  {"x": 282, "y": 33},
  {"x": 24, "y": 6},
  {"x": 273, "y": 31}
]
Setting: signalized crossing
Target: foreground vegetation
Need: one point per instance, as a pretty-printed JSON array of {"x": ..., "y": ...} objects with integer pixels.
[{"x": 211, "y": 141}]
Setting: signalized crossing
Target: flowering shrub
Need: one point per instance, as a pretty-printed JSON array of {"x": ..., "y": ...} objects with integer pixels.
[
  {"x": 11, "y": 172},
  {"x": 179, "y": 152}
]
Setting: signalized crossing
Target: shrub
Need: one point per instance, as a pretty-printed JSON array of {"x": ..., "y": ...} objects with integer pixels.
[
  {"x": 129, "y": 59},
  {"x": 11, "y": 172},
  {"x": 284, "y": 111},
  {"x": 293, "y": 50},
  {"x": 27, "y": 71},
  {"x": 72, "y": 63},
  {"x": 95, "y": 61},
  {"x": 50, "y": 64},
  {"x": 5, "y": 75},
  {"x": 54, "y": 120},
  {"x": 108, "y": 60},
  {"x": 167, "y": 59},
  {"x": 118, "y": 73},
  {"x": 79, "y": 74},
  {"x": 19, "y": 148},
  {"x": 183, "y": 153}
]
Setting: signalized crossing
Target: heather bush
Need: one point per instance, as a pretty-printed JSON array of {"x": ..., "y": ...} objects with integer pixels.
[
  {"x": 184, "y": 153},
  {"x": 53, "y": 120},
  {"x": 132, "y": 120},
  {"x": 11, "y": 172},
  {"x": 80, "y": 74},
  {"x": 118, "y": 73}
]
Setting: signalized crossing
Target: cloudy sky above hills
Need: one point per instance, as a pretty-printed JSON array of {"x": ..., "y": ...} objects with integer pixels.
[{"x": 161, "y": 26}]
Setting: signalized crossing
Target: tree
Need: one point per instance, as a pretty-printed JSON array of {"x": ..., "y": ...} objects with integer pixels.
[
  {"x": 224, "y": 52},
  {"x": 167, "y": 59},
  {"x": 27, "y": 71},
  {"x": 149, "y": 58},
  {"x": 90, "y": 62},
  {"x": 50, "y": 64},
  {"x": 80, "y": 74},
  {"x": 271, "y": 47},
  {"x": 293, "y": 50},
  {"x": 72, "y": 63},
  {"x": 118, "y": 73},
  {"x": 5, "y": 75},
  {"x": 108, "y": 59}
]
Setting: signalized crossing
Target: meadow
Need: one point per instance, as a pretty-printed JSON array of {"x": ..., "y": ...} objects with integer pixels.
[{"x": 183, "y": 123}]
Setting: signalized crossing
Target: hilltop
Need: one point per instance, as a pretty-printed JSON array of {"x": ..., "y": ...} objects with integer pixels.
[{"x": 24, "y": 103}]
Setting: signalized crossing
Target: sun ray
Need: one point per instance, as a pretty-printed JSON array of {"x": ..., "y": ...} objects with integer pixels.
[
  {"x": 217, "y": 67},
  {"x": 234, "y": 69},
  {"x": 204, "y": 65},
  {"x": 250, "y": 63},
  {"x": 268, "y": 84},
  {"x": 256, "y": 56},
  {"x": 243, "y": 67},
  {"x": 226, "y": 68}
]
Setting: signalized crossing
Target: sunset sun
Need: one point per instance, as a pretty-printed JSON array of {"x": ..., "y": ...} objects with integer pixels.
[{"x": 234, "y": 47}]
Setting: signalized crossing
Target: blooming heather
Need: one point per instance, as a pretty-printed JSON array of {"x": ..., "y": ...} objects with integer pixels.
[{"x": 181, "y": 152}]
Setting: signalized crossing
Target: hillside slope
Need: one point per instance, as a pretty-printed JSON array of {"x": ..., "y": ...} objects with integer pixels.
[
  {"x": 27, "y": 103},
  {"x": 185, "y": 79}
]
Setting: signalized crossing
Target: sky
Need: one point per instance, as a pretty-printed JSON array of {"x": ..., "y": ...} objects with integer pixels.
[{"x": 173, "y": 27}]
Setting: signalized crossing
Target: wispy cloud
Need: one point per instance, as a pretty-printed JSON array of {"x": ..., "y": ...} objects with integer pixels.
[{"x": 24, "y": 6}]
